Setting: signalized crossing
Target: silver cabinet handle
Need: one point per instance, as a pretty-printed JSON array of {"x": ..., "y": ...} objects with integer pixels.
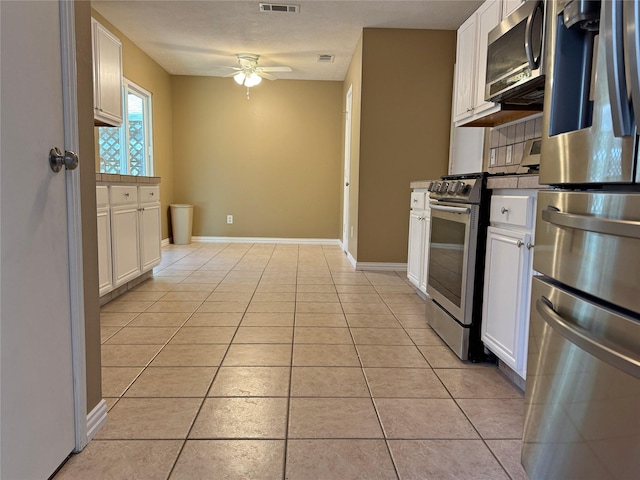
[
  {"x": 519, "y": 243},
  {"x": 601, "y": 349},
  {"x": 504, "y": 210},
  {"x": 607, "y": 226},
  {"x": 530, "y": 245},
  {"x": 534, "y": 63}
]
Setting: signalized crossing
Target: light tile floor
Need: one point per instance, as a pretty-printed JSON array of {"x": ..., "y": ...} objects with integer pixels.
[{"x": 242, "y": 361}]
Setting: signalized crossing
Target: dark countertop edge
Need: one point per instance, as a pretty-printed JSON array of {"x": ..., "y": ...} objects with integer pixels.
[{"x": 113, "y": 178}]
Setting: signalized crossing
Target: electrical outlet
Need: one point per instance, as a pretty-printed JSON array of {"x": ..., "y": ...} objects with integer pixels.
[
  {"x": 492, "y": 157},
  {"x": 509, "y": 154},
  {"x": 229, "y": 219}
]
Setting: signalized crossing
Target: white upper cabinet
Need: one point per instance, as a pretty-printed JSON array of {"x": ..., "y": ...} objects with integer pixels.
[
  {"x": 471, "y": 63},
  {"x": 488, "y": 17},
  {"x": 509, "y": 6},
  {"x": 465, "y": 69},
  {"x": 107, "y": 76}
]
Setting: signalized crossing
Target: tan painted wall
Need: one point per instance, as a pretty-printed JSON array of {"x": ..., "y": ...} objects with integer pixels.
[
  {"x": 84, "y": 67},
  {"x": 138, "y": 67},
  {"x": 353, "y": 79},
  {"x": 407, "y": 78},
  {"x": 273, "y": 162}
]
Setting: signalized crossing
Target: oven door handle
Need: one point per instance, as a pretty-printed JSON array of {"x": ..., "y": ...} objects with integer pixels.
[
  {"x": 445, "y": 208},
  {"x": 607, "y": 226},
  {"x": 601, "y": 349}
]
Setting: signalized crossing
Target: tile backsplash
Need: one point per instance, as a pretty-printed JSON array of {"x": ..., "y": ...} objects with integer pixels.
[{"x": 506, "y": 146}]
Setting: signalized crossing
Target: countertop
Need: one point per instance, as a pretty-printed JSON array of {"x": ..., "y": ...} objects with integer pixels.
[
  {"x": 500, "y": 181},
  {"x": 113, "y": 178}
]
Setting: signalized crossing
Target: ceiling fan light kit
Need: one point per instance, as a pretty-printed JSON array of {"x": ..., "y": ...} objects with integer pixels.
[{"x": 249, "y": 74}]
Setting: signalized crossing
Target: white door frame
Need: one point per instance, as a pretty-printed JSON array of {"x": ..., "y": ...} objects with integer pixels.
[
  {"x": 74, "y": 223},
  {"x": 347, "y": 170}
]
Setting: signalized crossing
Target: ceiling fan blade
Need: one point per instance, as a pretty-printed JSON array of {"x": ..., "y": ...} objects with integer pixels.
[
  {"x": 266, "y": 75},
  {"x": 233, "y": 74},
  {"x": 274, "y": 69}
]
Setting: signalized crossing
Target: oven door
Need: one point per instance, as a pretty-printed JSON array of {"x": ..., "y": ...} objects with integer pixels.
[{"x": 451, "y": 246}]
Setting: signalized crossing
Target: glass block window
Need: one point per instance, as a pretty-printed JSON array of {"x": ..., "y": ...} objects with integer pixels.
[{"x": 127, "y": 149}]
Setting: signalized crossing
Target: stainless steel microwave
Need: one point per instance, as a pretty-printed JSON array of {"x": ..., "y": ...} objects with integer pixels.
[{"x": 515, "y": 57}]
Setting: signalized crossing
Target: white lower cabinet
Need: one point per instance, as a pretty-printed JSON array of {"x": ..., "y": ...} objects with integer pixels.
[
  {"x": 418, "y": 250},
  {"x": 129, "y": 232},
  {"x": 126, "y": 252},
  {"x": 149, "y": 237},
  {"x": 507, "y": 282},
  {"x": 105, "y": 269}
]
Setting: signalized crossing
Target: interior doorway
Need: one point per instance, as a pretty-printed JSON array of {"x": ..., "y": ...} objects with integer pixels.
[{"x": 347, "y": 169}]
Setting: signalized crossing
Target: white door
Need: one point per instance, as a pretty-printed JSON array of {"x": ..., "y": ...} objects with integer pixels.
[
  {"x": 37, "y": 396},
  {"x": 347, "y": 170}
]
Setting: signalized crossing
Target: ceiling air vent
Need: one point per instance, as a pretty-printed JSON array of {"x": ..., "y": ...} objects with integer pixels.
[
  {"x": 279, "y": 7},
  {"x": 326, "y": 58}
]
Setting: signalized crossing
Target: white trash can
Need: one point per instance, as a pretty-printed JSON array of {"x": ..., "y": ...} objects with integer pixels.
[{"x": 181, "y": 223}]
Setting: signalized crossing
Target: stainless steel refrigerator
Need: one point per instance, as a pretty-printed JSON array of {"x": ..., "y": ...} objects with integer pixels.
[{"x": 583, "y": 380}]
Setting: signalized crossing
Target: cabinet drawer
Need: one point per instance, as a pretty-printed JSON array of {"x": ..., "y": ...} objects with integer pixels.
[
  {"x": 514, "y": 210},
  {"x": 418, "y": 200},
  {"x": 102, "y": 196},
  {"x": 148, "y": 194},
  {"x": 123, "y": 194}
]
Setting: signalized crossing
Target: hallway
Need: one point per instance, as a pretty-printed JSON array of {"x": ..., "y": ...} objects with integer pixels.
[{"x": 255, "y": 361}]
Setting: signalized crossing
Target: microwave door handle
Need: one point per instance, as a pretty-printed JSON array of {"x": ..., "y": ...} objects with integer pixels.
[
  {"x": 607, "y": 226},
  {"x": 534, "y": 63},
  {"x": 611, "y": 19},
  {"x": 601, "y": 349},
  {"x": 632, "y": 49}
]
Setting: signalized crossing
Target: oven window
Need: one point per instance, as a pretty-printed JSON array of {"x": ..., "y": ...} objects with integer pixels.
[{"x": 446, "y": 258}]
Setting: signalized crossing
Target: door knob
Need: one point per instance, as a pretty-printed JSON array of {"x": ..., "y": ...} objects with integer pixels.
[{"x": 57, "y": 160}]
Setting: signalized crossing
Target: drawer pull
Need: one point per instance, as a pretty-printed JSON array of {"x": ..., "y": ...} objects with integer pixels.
[
  {"x": 520, "y": 243},
  {"x": 504, "y": 210},
  {"x": 530, "y": 245},
  {"x": 126, "y": 194}
]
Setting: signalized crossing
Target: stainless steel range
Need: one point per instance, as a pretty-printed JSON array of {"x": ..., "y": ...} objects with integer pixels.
[{"x": 459, "y": 218}]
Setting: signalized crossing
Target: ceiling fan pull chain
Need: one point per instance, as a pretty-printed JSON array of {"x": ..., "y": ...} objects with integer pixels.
[{"x": 248, "y": 98}]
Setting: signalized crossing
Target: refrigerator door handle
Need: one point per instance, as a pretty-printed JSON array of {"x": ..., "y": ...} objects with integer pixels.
[
  {"x": 599, "y": 348},
  {"x": 612, "y": 21},
  {"x": 607, "y": 226},
  {"x": 632, "y": 52}
]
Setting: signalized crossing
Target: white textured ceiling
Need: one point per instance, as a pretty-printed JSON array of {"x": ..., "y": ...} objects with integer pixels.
[{"x": 190, "y": 37}]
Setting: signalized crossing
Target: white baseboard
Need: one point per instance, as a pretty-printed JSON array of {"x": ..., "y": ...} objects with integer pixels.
[
  {"x": 287, "y": 241},
  {"x": 351, "y": 259},
  {"x": 381, "y": 266},
  {"x": 96, "y": 419}
]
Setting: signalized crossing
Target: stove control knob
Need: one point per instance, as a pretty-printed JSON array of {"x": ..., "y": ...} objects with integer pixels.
[
  {"x": 463, "y": 189},
  {"x": 444, "y": 186},
  {"x": 454, "y": 188},
  {"x": 432, "y": 186}
]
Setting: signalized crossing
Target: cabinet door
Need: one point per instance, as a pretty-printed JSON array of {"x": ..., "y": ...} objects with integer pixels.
[
  {"x": 509, "y": 6},
  {"x": 424, "y": 271},
  {"x": 487, "y": 17},
  {"x": 107, "y": 76},
  {"x": 126, "y": 257},
  {"x": 465, "y": 70},
  {"x": 104, "y": 251},
  {"x": 414, "y": 260},
  {"x": 149, "y": 236},
  {"x": 505, "y": 310}
]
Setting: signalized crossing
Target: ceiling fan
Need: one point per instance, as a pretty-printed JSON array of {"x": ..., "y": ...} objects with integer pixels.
[{"x": 249, "y": 74}]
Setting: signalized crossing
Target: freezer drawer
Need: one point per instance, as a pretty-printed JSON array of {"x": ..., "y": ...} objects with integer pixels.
[
  {"x": 590, "y": 241},
  {"x": 583, "y": 389}
]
